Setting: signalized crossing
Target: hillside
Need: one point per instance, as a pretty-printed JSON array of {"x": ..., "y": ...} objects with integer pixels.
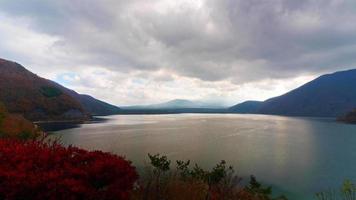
[
  {"x": 95, "y": 106},
  {"x": 330, "y": 95},
  {"x": 15, "y": 126},
  {"x": 90, "y": 104},
  {"x": 246, "y": 107},
  {"x": 36, "y": 98}
]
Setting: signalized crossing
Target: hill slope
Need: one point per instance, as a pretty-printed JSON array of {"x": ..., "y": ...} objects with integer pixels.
[
  {"x": 246, "y": 107},
  {"x": 37, "y": 98},
  {"x": 95, "y": 106},
  {"x": 91, "y": 104},
  {"x": 330, "y": 95},
  {"x": 15, "y": 126}
]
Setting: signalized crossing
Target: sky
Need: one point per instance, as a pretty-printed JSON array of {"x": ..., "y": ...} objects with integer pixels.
[{"x": 150, "y": 51}]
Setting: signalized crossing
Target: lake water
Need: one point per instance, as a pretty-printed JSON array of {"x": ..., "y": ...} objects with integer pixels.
[{"x": 297, "y": 156}]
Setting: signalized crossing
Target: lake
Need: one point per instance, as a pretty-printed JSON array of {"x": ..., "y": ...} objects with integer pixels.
[{"x": 297, "y": 156}]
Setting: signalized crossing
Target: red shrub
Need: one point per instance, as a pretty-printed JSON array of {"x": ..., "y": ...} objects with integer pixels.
[{"x": 36, "y": 170}]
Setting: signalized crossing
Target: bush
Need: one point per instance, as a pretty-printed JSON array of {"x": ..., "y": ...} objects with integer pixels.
[
  {"x": 39, "y": 170},
  {"x": 195, "y": 183},
  {"x": 346, "y": 192}
]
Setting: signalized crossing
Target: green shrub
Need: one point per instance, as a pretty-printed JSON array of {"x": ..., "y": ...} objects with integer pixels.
[
  {"x": 258, "y": 190},
  {"x": 186, "y": 182},
  {"x": 26, "y": 135},
  {"x": 346, "y": 192}
]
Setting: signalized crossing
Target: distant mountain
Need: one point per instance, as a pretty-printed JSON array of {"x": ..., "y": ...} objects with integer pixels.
[
  {"x": 330, "y": 95},
  {"x": 246, "y": 107},
  {"x": 176, "y": 104},
  {"x": 37, "y": 98}
]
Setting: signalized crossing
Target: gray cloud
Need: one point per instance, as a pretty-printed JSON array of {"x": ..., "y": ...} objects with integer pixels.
[
  {"x": 211, "y": 40},
  {"x": 207, "y": 42}
]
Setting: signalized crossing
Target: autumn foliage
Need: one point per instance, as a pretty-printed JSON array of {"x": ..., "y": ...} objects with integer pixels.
[{"x": 42, "y": 170}]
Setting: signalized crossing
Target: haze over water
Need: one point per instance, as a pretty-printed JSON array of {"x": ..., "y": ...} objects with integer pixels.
[{"x": 297, "y": 156}]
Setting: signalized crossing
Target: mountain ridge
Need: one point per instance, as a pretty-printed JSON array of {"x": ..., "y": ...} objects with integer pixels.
[
  {"x": 329, "y": 95},
  {"x": 246, "y": 107},
  {"x": 37, "y": 98}
]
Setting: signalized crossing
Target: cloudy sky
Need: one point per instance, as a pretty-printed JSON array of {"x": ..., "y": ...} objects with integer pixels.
[{"x": 149, "y": 51}]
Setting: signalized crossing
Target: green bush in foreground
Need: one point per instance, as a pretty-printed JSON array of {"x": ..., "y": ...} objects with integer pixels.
[
  {"x": 186, "y": 182},
  {"x": 347, "y": 192}
]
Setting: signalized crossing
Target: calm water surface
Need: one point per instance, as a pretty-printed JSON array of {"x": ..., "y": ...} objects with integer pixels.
[{"x": 297, "y": 156}]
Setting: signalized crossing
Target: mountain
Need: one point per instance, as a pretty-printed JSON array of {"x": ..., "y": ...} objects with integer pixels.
[
  {"x": 176, "y": 104},
  {"x": 90, "y": 104},
  {"x": 36, "y": 98},
  {"x": 246, "y": 107},
  {"x": 95, "y": 106},
  {"x": 330, "y": 95}
]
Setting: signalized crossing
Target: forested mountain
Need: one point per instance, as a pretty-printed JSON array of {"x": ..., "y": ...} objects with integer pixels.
[
  {"x": 36, "y": 98},
  {"x": 330, "y": 95},
  {"x": 91, "y": 104},
  {"x": 246, "y": 107},
  {"x": 95, "y": 106}
]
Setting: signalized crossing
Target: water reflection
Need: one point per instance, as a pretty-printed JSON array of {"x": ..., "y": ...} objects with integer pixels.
[{"x": 296, "y": 155}]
